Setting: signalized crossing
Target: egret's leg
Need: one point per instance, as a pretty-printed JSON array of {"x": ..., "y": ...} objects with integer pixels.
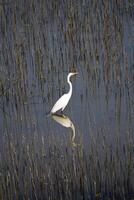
[{"x": 62, "y": 112}]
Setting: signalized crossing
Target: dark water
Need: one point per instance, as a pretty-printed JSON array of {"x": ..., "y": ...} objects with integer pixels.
[{"x": 40, "y": 43}]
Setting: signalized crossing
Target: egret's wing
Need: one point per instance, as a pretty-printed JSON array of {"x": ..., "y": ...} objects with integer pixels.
[{"x": 62, "y": 101}]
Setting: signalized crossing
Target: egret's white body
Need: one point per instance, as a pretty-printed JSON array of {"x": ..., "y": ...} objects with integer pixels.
[{"x": 63, "y": 100}]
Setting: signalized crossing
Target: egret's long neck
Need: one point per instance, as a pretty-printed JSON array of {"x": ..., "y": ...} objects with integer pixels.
[{"x": 70, "y": 84}]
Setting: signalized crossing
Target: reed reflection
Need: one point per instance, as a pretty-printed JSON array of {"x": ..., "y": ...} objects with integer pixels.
[{"x": 66, "y": 122}]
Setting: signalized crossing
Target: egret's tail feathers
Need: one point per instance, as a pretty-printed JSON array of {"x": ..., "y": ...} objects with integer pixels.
[{"x": 48, "y": 114}]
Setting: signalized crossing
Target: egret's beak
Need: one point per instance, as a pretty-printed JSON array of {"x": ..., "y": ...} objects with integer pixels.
[{"x": 74, "y": 73}]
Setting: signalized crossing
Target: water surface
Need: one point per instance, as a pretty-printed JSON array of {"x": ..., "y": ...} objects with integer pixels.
[{"x": 40, "y": 43}]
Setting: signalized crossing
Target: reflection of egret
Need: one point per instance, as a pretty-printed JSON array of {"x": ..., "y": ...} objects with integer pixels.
[
  {"x": 63, "y": 100},
  {"x": 65, "y": 121}
]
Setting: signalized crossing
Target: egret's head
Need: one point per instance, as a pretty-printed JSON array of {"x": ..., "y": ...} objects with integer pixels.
[{"x": 72, "y": 74}]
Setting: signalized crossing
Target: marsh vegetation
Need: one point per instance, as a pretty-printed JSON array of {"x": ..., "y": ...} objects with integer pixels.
[{"x": 40, "y": 42}]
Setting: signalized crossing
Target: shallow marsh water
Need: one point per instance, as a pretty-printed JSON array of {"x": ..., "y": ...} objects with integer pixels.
[{"x": 40, "y": 43}]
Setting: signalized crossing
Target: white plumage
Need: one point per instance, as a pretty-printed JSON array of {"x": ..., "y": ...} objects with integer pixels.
[{"x": 63, "y": 100}]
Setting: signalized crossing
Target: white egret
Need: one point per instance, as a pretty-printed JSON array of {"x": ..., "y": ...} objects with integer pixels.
[{"x": 64, "y": 99}]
